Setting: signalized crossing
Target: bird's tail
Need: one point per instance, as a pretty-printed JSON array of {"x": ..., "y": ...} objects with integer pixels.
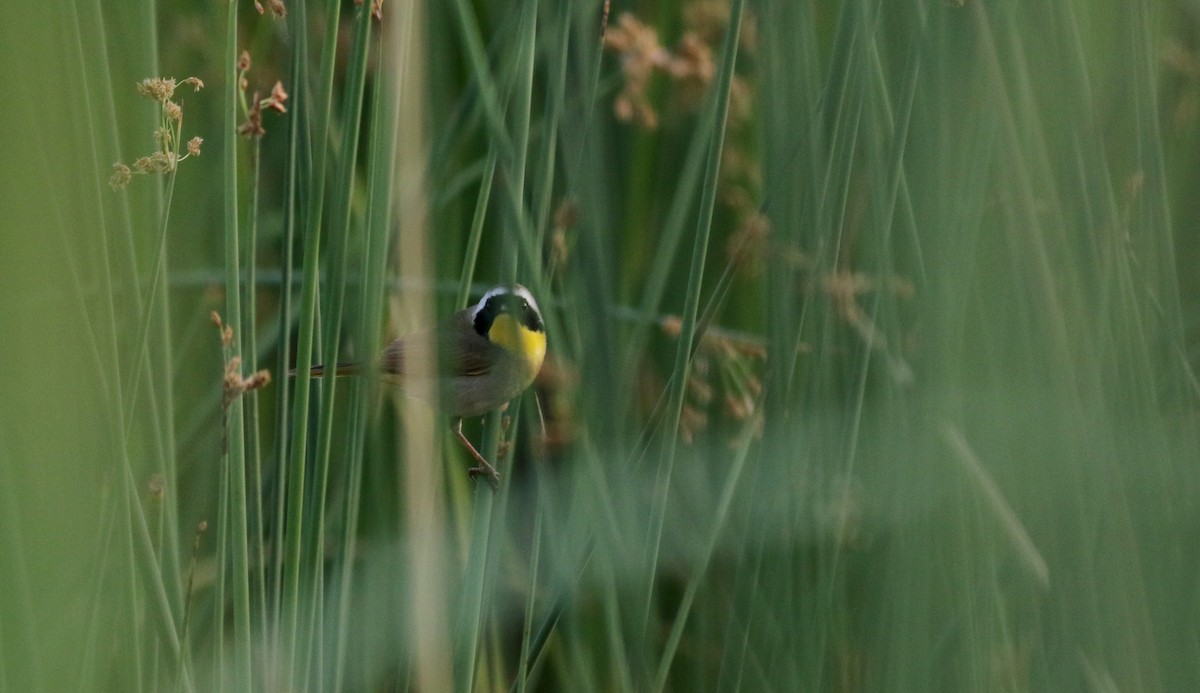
[{"x": 319, "y": 370}]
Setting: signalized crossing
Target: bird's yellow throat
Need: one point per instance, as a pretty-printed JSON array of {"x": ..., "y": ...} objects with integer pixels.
[{"x": 520, "y": 340}]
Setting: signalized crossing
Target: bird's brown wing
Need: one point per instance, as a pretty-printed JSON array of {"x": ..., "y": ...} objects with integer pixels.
[{"x": 461, "y": 351}]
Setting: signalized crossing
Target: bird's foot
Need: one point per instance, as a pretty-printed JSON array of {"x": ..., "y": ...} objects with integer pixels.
[{"x": 485, "y": 469}]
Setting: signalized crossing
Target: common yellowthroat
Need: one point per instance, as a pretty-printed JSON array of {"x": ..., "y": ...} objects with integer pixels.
[{"x": 485, "y": 356}]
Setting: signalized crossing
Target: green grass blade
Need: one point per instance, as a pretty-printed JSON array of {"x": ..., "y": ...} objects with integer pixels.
[{"x": 683, "y": 358}]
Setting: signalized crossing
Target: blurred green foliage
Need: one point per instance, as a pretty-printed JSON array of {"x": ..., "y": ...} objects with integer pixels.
[{"x": 938, "y": 430}]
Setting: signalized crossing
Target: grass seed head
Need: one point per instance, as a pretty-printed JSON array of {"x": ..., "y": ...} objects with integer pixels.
[
  {"x": 121, "y": 175},
  {"x": 158, "y": 88}
]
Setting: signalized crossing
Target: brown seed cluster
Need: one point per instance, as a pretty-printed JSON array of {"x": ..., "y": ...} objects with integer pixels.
[
  {"x": 845, "y": 290},
  {"x": 275, "y": 7},
  {"x": 690, "y": 66},
  {"x": 725, "y": 370},
  {"x": 167, "y": 136},
  {"x": 641, "y": 55},
  {"x": 233, "y": 384},
  {"x": 275, "y": 101}
]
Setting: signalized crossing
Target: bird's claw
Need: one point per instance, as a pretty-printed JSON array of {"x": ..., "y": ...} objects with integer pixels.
[{"x": 485, "y": 469}]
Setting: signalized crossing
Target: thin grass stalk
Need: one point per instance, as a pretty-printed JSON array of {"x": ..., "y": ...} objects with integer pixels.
[
  {"x": 145, "y": 307},
  {"x": 162, "y": 425},
  {"x": 163, "y": 552},
  {"x": 496, "y": 516},
  {"x": 532, "y": 661},
  {"x": 356, "y": 72},
  {"x": 468, "y": 628},
  {"x": 736, "y": 648},
  {"x": 56, "y": 172},
  {"x": 298, "y": 143},
  {"x": 235, "y": 421},
  {"x": 796, "y": 168},
  {"x": 220, "y": 563},
  {"x": 556, "y": 94},
  {"x": 252, "y": 424},
  {"x": 144, "y": 561},
  {"x": 344, "y": 566},
  {"x": 183, "y": 676},
  {"x": 593, "y": 82},
  {"x": 475, "y": 235},
  {"x": 493, "y": 112},
  {"x": 790, "y": 203},
  {"x": 380, "y": 180},
  {"x": 591, "y": 283},
  {"x": 683, "y": 358},
  {"x": 465, "y": 117},
  {"x": 293, "y": 531},
  {"x": 169, "y": 557},
  {"x": 104, "y": 544},
  {"x": 511, "y": 153},
  {"x": 526, "y": 44},
  {"x": 700, "y": 570},
  {"x": 156, "y": 578},
  {"x": 667, "y": 251},
  {"x": 852, "y": 117},
  {"x": 485, "y": 509},
  {"x": 535, "y": 552},
  {"x": 131, "y": 585},
  {"x": 156, "y": 653},
  {"x": 109, "y": 366}
]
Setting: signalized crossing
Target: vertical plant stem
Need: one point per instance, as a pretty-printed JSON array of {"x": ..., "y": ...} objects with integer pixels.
[
  {"x": 221, "y": 564},
  {"x": 235, "y": 423},
  {"x": 475, "y": 236},
  {"x": 373, "y": 262},
  {"x": 293, "y": 217},
  {"x": 293, "y": 531},
  {"x": 530, "y": 602},
  {"x": 554, "y": 108},
  {"x": 356, "y": 72},
  {"x": 683, "y": 353},
  {"x": 251, "y": 360},
  {"x": 719, "y": 518},
  {"x": 475, "y": 589}
]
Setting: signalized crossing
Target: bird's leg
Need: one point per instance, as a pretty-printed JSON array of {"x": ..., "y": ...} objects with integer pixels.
[{"x": 484, "y": 467}]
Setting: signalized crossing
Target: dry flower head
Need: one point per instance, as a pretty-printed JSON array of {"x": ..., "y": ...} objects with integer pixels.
[
  {"x": 161, "y": 89},
  {"x": 641, "y": 54},
  {"x": 278, "y": 98},
  {"x": 234, "y": 384},
  {"x": 732, "y": 359},
  {"x": 276, "y": 7},
  {"x": 166, "y": 136},
  {"x": 121, "y": 175},
  {"x": 275, "y": 101}
]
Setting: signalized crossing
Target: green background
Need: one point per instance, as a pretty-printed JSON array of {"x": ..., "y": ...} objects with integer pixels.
[{"x": 940, "y": 431}]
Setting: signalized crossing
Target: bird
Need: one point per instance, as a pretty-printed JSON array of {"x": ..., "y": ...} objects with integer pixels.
[{"x": 486, "y": 355}]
